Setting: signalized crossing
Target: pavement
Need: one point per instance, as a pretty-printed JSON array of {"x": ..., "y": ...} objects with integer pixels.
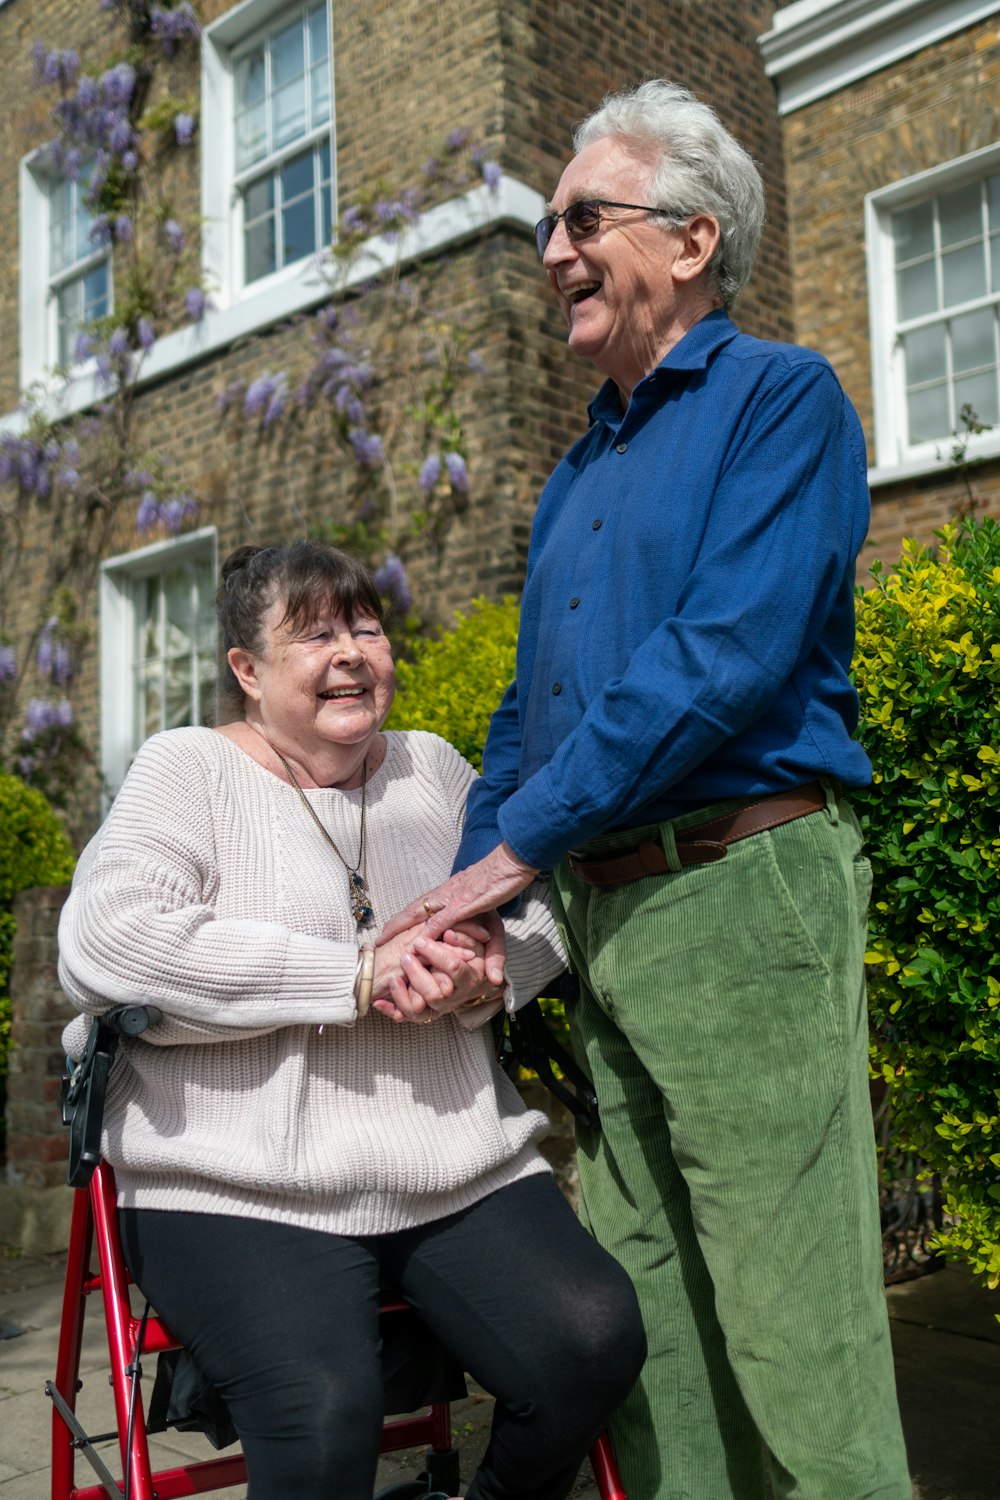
[{"x": 946, "y": 1339}]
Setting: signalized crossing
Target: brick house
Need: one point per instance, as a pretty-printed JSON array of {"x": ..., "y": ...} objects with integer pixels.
[{"x": 874, "y": 125}]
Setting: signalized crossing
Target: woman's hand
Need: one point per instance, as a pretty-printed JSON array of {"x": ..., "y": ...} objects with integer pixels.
[
  {"x": 473, "y": 892},
  {"x": 417, "y": 977}
]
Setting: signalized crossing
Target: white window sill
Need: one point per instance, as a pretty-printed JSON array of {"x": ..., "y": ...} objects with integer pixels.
[
  {"x": 935, "y": 459},
  {"x": 298, "y": 288}
]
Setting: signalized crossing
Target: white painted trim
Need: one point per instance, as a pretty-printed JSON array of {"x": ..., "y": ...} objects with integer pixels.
[
  {"x": 895, "y": 458},
  {"x": 304, "y": 285},
  {"x": 818, "y": 46},
  {"x": 116, "y": 615}
]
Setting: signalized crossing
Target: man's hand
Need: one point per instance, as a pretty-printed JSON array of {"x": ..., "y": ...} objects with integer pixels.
[{"x": 474, "y": 892}]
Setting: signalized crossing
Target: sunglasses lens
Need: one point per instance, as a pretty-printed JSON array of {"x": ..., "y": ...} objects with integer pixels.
[
  {"x": 544, "y": 230},
  {"x": 582, "y": 219}
]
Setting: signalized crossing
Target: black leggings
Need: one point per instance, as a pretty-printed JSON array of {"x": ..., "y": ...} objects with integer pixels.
[{"x": 284, "y": 1321}]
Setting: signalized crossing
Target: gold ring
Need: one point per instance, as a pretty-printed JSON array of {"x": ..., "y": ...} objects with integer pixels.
[
  {"x": 428, "y": 908},
  {"x": 428, "y": 1022}
]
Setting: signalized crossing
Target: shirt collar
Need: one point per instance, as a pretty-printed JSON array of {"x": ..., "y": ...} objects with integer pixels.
[{"x": 693, "y": 352}]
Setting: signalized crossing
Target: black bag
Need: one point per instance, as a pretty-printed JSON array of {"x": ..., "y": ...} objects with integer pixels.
[{"x": 524, "y": 1038}]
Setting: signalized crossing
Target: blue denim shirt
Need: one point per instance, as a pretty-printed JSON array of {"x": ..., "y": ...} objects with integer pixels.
[{"x": 687, "y": 621}]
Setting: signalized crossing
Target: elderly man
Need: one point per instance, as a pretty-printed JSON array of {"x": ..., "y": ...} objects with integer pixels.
[{"x": 674, "y": 749}]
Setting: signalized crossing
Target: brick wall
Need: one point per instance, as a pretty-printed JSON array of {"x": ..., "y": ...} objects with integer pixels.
[
  {"x": 926, "y": 109},
  {"x": 517, "y": 75},
  {"x": 36, "y": 1139}
]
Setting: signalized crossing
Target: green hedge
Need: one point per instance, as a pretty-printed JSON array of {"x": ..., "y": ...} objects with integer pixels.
[
  {"x": 34, "y": 850},
  {"x": 927, "y": 667}
]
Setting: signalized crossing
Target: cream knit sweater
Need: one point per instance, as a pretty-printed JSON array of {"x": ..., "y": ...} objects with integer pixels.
[{"x": 209, "y": 892}]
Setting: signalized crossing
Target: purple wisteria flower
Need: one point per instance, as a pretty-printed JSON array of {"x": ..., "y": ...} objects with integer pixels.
[
  {"x": 39, "y": 716},
  {"x": 492, "y": 173},
  {"x": 148, "y": 514},
  {"x": 8, "y": 662},
  {"x": 176, "y": 511},
  {"x": 352, "y": 220},
  {"x": 172, "y": 25},
  {"x": 62, "y": 664},
  {"x": 367, "y": 447},
  {"x": 123, "y": 229},
  {"x": 184, "y": 129},
  {"x": 392, "y": 583},
  {"x": 174, "y": 235},
  {"x": 260, "y": 393},
  {"x": 63, "y": 714},
  {"x": 477, "y": 364},
  {"x": 194, "y": 301},
  {"x": 458, "y": 474},
  {"x": 430, "y": 473},
  {"x": 83, "y": 348},
  {"x": 145, "y": 333},
  {"x": 457, "y": 138},
  {"x": 118, "y": 345}
]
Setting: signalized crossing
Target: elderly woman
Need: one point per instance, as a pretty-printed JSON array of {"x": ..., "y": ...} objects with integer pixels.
[{"x": 285, "y": 1140}]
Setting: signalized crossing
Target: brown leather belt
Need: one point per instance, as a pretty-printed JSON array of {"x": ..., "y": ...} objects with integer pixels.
[{"x": 704, "y": 842}]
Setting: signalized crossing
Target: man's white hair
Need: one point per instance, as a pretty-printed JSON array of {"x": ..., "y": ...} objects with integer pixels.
[{"x": 696, "y": 167}]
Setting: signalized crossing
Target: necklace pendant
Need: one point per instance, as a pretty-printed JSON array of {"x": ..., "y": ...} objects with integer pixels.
[{"x": 361, "y": 906}]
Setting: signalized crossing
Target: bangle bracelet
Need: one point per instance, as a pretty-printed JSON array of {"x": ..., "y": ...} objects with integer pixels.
[{"x": 364, "y": 977}]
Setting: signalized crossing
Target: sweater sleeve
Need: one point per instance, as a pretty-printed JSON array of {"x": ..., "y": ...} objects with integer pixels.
[{"x": 139, "y": 926}]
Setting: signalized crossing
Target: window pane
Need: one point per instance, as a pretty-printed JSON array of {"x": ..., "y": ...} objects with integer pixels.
[
  {"x": 287, "y": 54},
  {"x": 251, "y": 136},
  {"x": 179, "y": 697},
  {"x": 972, "y": 341},
  {"x": 963, "y": 274},
  {"x": 924, "y": 351},
  {"x": 259, "y": 249},
  {"x": 979, "y": 392},
  {"x": 916, "y": 290},
  {"x": 928, "y": 414},
  {"x": 289, "y": 113},
  {"x": 95, "y": 292},
  {"x": 993, "y": 201},
  {"x": 913, "y": 232},
  {"x": 326, "y": 216},
  {"x": 319, "y": 47},
  {"x": 149, "y": 703},
  {"x": 960, "y": 214},
  {"x": 298, "y": 225},
  {"x": 68, "y": 319},
  {"x": 258, "y": 197},
  {"x": 297, "y": 177},
  {"x": 251, "y": 79},
  {"x": 995, "y": 263},
  {"x": 180, "y": 614},
  {"x": 319, "y": 113}
]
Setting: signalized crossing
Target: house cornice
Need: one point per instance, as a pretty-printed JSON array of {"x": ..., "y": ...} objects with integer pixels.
[{"x": 818, "y": 46}]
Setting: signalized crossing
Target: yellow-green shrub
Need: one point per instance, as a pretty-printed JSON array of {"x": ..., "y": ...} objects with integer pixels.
[
  {"x": 455, "y": 681},
  {"x": 34, "y": 850},
  {"x": 927, "y": 668}
]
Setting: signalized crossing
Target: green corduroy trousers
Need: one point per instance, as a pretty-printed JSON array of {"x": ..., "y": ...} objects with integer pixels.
[{"x": 722, "y": 1017}]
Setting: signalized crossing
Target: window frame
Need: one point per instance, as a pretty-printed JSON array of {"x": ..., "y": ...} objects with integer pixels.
[
  {"x": 894, "y": 454},
  {"x": 223, "y": 43},
  {"x": 39, "y": 284},
  {"x": 121, "y": 579}
]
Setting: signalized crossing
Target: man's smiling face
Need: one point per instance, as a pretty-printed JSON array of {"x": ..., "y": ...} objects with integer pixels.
[{"x": 615, "y": 287}]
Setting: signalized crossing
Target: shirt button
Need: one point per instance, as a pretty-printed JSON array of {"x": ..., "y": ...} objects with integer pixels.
[
  {"x": 621, "y": 448},
  {"x": 597, "y": 524},
  {"x": 556, "y": 689},
  {"x": 574, "y": 602}
]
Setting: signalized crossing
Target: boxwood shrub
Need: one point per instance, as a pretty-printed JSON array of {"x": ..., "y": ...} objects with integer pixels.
[
  {"x": 34, "y": 850},
  {"x": 927, "y": 667}
]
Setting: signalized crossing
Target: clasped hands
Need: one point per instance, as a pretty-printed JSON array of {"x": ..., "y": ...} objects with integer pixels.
[{"x": 446, "y": 949}]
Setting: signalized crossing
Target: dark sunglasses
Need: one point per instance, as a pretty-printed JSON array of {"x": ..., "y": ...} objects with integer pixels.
[{"x": 582, "y": 219}]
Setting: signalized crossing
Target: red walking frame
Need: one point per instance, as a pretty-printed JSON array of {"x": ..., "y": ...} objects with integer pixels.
[{"x": 95, "y": 1225}]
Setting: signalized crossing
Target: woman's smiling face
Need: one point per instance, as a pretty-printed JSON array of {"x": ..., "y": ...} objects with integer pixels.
[{"x": 325, "y": 681}]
